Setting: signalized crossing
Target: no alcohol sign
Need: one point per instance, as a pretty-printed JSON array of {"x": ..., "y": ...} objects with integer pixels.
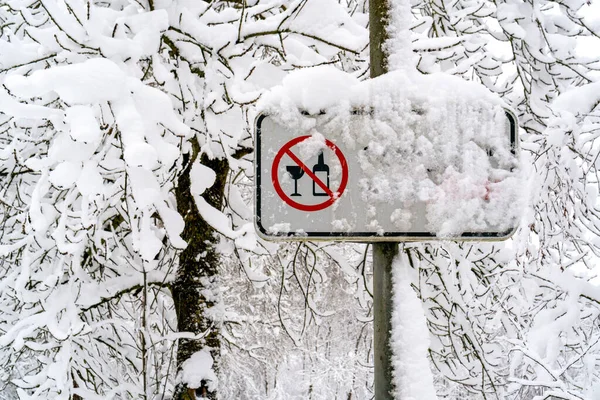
[
  {"x": 311, "y": 185},
  {"x": 287, "y": 164}
]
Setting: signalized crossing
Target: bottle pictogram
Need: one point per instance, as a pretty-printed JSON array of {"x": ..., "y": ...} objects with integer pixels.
[{"x": 321, "y": 171}]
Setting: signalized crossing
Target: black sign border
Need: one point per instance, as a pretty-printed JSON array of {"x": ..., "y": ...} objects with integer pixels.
[{"x": 366, "y": 236}]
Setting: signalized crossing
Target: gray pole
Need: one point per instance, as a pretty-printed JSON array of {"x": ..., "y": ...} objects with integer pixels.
[
  {"x": 383, "y": 253},
  {"x": 378, "y": 15}
]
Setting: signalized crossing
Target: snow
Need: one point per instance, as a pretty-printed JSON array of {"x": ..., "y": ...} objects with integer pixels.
[
  {"x": 82, "y": 124},
  {"x": 579, "y": 100},
  {"x": 94, "y": 294},
  {"x": 202, "y": 178},
  {"x": 312, "y": 146},
  {"x": 90, "y": 181},
  {"x": 146, "y": 189},
  {"x": 313, "y": 90},
  {"x": 409, "y": 338},
  {"x": 95, "y": 102},
  {"x": 91, "y": 81},
  {"x": 278, "y": 228},
  {"x": 421, "y": 142},
  {"x": 198, "y": 368},
  {"x": 398, "y": 45},
  {"x": 20, "y": 110},
  {"x": 65, "y": 174}
]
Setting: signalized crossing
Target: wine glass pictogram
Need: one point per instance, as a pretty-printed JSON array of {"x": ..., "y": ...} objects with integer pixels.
[{"x": 296, "y": 172}]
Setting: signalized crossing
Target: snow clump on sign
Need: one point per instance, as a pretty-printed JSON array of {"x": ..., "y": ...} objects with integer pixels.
[{"x": 434, "y": 146}]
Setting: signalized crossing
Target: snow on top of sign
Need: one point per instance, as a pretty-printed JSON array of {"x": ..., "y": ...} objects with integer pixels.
[
  {"x": 434, "y": 140},
  {"x": 309, "y": 90}
]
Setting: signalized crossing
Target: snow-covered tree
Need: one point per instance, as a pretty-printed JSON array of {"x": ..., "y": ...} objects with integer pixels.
[
  {"x": 520, "y": 320},
  {"x": 126, "y": 130},
  {"x": 129, "y": 267}
]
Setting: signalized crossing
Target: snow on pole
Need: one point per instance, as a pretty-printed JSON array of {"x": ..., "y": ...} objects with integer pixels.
[
  {"x": 398, "y": 44},
  {"x": 406, "y": 374},
  {"x": 409, "y": 341}
]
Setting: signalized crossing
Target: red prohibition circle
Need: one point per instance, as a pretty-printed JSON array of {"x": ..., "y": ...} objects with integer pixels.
[{"x": 333, "y": 196}]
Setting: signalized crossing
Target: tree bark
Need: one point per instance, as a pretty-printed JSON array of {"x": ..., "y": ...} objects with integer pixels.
[{"x": 196, "y": 285}]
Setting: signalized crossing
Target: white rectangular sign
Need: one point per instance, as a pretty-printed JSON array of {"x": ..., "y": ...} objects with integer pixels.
[{"x": 314, "y": 184}]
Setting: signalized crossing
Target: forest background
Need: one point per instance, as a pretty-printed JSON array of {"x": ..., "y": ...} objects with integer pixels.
[{"x": 129, "y": 266}]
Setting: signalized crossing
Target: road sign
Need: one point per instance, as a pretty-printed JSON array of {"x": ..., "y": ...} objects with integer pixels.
[{"x": 312, "y": 187}]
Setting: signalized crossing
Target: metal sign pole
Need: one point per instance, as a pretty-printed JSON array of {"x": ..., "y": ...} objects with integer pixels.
[
  {"x": 284, "y": 201},
  {"x": 378, "y": 16},
  {"x": 383, "y": 253}
]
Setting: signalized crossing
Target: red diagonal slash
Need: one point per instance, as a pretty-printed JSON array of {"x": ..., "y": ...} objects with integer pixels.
[{"x": 309, "y": 172}]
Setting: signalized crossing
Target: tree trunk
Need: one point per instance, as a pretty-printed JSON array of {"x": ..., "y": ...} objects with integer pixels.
[{"x": 197, "y": 275}]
